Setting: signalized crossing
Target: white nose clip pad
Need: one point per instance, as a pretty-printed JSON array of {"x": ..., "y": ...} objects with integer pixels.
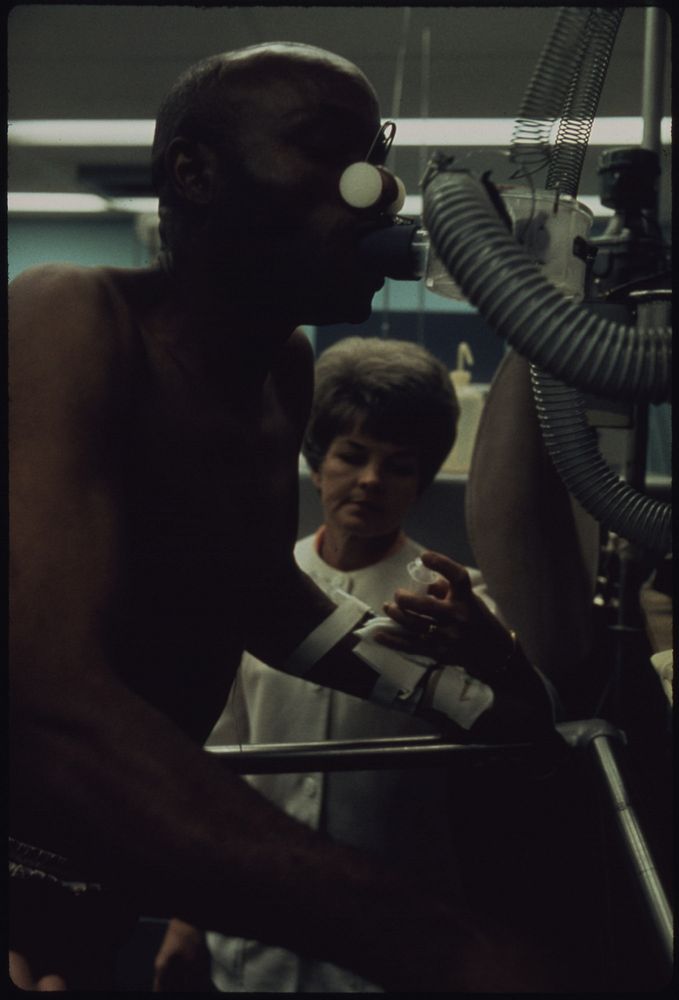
[{"x": 363, "y": 185}]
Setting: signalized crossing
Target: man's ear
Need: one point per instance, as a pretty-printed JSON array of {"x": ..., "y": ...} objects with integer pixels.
[
  {"x": 315, "y": 478},
  {"x": 192, "y": 168}
]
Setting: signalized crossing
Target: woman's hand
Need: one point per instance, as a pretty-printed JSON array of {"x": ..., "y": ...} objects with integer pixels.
[
  {"x": 449, "y": 623},
  {"x": 454, "y": 627}
]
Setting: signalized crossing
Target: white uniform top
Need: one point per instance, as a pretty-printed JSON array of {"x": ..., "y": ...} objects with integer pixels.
[{"x": 400, "y": 816}]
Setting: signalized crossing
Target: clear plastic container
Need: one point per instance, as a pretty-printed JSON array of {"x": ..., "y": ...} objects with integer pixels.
[
  {"x": 547, "y": 226},
  {"x": 421, "y": 576}
]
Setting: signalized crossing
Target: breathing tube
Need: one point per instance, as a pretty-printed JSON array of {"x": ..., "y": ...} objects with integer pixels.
[
  {"x": 566, "y": 86},
  {"x": 508, "y": 289},
  {"x": 564, "y": 339},
  {"x": 573, "y": 447},
  {"x": 570, "y": 441}
]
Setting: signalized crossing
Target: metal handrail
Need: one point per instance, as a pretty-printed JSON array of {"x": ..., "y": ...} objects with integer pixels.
[
  {"x": 356, "y": 755},
  {"x": 595, "y": 736}
]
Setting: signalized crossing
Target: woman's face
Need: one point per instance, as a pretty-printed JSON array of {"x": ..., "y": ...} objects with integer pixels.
[{"x": 367, "y": 485}]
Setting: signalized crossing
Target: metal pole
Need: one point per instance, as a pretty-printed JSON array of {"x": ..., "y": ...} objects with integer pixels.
[
  {"x": 369, "y": 754},
  {"x": 635, "y": 845},
  {"x": 653, "y": 74},
  {"x": 399, "y": 751}
]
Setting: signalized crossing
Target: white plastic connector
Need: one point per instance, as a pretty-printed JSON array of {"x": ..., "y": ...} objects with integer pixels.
[
  {"x": 421, "y": 576},
  {"x": 361, "y": 185},
  {"x": 400, "y": 199}
]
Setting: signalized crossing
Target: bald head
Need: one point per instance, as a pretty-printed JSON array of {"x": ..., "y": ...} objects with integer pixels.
[
  {"x": 290, "y": 55},
  {"x": 211, "y": 99}
]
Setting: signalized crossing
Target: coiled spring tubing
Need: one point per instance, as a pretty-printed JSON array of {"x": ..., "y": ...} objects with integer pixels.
[{"x": 568, "y": 345}]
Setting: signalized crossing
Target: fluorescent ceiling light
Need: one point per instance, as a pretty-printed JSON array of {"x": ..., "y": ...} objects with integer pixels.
[
  {"x": 409, "y": 132},
  {"x": 139, "y": 206},
  {"x": 498, "y": 131},
  {"x": 49, "y": 202},
  {"x": 591, "y": 202},
  {"x": 413, "y": 205},
  {"x": 39, "y": 202},
  {"x": 81, "y": 132},
  {"x": 79, "y": 204}
]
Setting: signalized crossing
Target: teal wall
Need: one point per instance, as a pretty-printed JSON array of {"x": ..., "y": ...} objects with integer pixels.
[
  {"x": 402, "y": 309},
  {"x": 77, "y": 241}
]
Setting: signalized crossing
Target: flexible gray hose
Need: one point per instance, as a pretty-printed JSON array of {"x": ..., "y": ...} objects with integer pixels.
[
  {"x": 564, "y": 339},
  {"x": 574, "y": 449},
  {"x": 567, "y": 340},
  {"x": 579, "y": 110},
  {"x": 580, "y": 45},
  {"x": 548, "y": 89}
]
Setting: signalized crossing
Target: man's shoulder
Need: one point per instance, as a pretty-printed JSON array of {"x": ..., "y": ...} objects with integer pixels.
[
  {"x": 69, "y": 326},
  {"x": 57, "y": 294},
  {"x": 58, "y": 277},
  {"x": 67, "y": 303}
]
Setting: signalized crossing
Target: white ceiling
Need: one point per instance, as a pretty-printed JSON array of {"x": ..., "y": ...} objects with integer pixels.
[{"x": 71, "y": 61}]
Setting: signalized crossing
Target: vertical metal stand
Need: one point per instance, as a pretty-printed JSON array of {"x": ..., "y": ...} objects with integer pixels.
[
  {"x": 652, "y": 86},
  {"x": 634, "y": 842}
]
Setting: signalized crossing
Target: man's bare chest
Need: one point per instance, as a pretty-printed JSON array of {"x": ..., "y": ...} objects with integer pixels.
[
  {"x": 211, "y": 490},
  {"x": 213, "y": 475}
]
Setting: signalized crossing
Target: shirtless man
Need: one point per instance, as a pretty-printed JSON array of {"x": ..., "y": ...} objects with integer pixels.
[{"x": 157, "y": 416}]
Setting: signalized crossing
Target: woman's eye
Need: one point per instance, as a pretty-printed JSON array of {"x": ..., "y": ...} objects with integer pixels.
[{"x": 350, "y": 457}]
